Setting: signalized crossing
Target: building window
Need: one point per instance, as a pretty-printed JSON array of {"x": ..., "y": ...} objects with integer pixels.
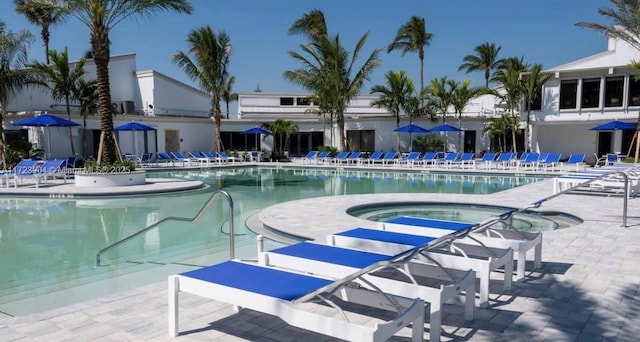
[
  {"x": 613, "y": 91},
  {"x": 590, "y": 93},
  {"x": 286, "y": 101},
  {"x": 634, "y": 92},
  {"x": 537, "y": 101},
  {"x": 568, "y": 94},
  {"x": 303, "y": 101},
  {"x": 361, "y": 140}
]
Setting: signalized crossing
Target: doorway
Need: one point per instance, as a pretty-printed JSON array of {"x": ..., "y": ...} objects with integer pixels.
[
  {"x": 605, "y": 140},
  {"x": 171, "y": 140},
  {"x": 469, "y": 141}
]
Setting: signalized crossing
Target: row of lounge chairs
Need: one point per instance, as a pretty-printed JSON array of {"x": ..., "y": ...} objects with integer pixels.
[
  {"x": 506, "y": 160},
  {"x": 608, "y": 179},
  {"x": 398, "y": 266},
  {"x": 178, "y": 158},
  {"x": 38, "y": 171}
]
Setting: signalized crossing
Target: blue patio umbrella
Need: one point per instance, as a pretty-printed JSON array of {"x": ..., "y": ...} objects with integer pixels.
[
  {"x": 134, "y": 127},
  {"x": 45, "y": 120},
  {"x": 411, "y": 128},
  {"x": 255, "y": 131},
  {"x": 615, "y": 125},
  {"x": 445, "y": 128}
]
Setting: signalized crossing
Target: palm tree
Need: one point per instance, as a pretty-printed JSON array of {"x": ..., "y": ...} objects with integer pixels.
[
  {"x": 412, "y": 37},
  {"x": 86, "y": 93},
  {"x": 61, "y": 79},
  {"x": 13, "y": 74},
  {"x": 282, "y": 129},
  {"x": 485, "y": 59},
  {"x": 461, "y": 94},
  {"x": 101, "y": 16},
  {"x": 207, "y": 65},
  {"x": 228, "y": 95},
  {"x": 508, "y": 75},
  {"x": 438, "y": 96},
  {"x": 532, "y": 83},
  {"x": 329, "y": 71},
  {"x": 497, "y": 128},
  {"x": 312, "y": 25},
  {"x": 43, "y": 13},
  {"x": 394, "y": 96}
]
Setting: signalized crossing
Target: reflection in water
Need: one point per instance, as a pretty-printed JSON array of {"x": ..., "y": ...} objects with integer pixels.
[{"x": 48, "y": 244}]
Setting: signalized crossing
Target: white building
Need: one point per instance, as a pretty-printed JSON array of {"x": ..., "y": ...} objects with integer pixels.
[
  {"x": 178, "y": 112},
  {"x": 583, "y": 94}
]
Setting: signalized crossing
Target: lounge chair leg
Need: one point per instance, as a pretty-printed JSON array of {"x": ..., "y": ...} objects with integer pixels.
[
  {"x": 174, "y": 288},
  {"x": 537, "y": 263},
  {"x": 469, "y": 302},
  {"x": 508, "y": 272},
  {"x": 435, "y": 320},
  {"x": 522, "y": 261},
  {"x": 484, "y": 287}
]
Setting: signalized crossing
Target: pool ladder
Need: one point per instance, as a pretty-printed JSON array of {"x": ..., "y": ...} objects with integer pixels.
[{"x": 183, "y": 219}]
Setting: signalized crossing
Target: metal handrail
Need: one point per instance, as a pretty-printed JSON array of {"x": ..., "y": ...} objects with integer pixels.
[{"x": 183, "y": 219}]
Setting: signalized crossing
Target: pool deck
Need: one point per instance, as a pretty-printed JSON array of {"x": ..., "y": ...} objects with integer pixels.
[{"x": 587, "y": 290}]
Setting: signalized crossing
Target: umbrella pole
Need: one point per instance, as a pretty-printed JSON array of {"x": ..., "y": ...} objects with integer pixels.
[{"x": 48, "y": 156}]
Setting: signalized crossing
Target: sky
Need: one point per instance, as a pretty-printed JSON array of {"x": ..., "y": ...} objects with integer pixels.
[{"x": 541, "y": 31}]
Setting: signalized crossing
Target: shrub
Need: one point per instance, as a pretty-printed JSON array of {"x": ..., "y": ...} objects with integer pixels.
[
  {"x": 427, "y": 143},
  {"x": 333, "y": 151}
]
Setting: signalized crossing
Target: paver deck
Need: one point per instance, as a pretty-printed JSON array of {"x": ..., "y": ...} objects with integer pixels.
[{"x": 587, "y": 290}]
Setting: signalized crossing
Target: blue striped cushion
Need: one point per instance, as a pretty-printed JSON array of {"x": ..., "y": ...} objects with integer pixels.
[
  {"x": 423, "y": 222},
  {"x": 332, "y": 254},
  {"x": 385, "y": 236}
]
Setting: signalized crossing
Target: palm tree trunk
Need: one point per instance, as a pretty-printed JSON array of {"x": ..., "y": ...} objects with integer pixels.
[
  {"x": 216, "y": 120},
  {"x": 341, "y": 132},
  {"x": 421, "y": 56},
  {"x": 100, "y": 49},
  {"x": 526, "y": 132},
  {"x": 2, "y": 147}
]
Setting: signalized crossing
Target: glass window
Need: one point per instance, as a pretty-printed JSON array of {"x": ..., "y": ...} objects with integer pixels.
[
  {"x": 568, "y": 94},
  {"x": 537, "y": 101},
  {"x": 286, "y": 101},
  {"x": 590, "y": 93},
  {"x": 634, "y": 91},
  {"x": 303, "y": 101},
  {"x": 613, "y": 90}
]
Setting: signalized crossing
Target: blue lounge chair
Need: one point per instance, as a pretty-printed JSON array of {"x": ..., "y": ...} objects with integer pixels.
[
  {"x": 164, "y": 157},
  {"x": 25, "y": 166},
  {"x": 429, "y": 158},
  {"x": 277, "y": 292},
  {"x": 463, "y": 256},
  {"x": 576, "y": 159},
  {"x": 374, "y": 157},
  {"x": 409, "y": 160},
  {"x": 337, "y": 262},
  {"x": 520, "y": 242},
  {"x": 387, "y": 158},
  {"x": 354, "y": 158},
  {"x": 307, "y": 158},
  {"x": 42, "y": 172},
  {"x": 531, "y": 159},
  {"x": 486, "y": 160},
  {"x": 224, "y": 158},
  {"x": 210, "y": 157},
  {"x": 504, "y": 160},
  {"x": 179, "y": 157},
  {"x": 341, "y": 157},
  {"x": 465, "y": 159},
  {"x": 551, "y": 161},
  {"x": 448, "y": 158}
]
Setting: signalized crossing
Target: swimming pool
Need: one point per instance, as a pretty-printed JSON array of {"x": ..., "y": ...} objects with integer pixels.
[{"x": 48, "y": 247}]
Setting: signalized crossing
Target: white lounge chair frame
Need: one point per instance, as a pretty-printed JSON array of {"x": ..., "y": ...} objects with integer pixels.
[
  {"x": 411, "y": 312},
  {"x": 457, "y": 281}
]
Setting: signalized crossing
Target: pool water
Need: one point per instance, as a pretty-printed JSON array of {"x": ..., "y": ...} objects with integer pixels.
[
  {"x": 48, "y": 246},
  {"x": 528, "y": 221}
]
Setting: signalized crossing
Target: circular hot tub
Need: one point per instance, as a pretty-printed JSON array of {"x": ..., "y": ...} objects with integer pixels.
[{"x": 528, "y": 220}]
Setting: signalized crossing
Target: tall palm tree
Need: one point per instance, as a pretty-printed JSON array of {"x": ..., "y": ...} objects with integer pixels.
[
  {"x": 485, "y": 59},
  {"x": 438, "y": 96},
  {"x": 43, "y": 13},
  {"x": 101, "y": 16},
  {"x": 13, "y": 74},
  {"x": 86, "y": 93},
  {"x": 329, "y": 72},
  {"x": 60, "y": 78},
  {"x": 394, "y": 96},
  {"x": 412, "y": 37},
  {"x": 532, "y": 83},
  {"x": 312, "y": 25},
  {"x": 461, "y": 94},
  {"x": 206, "y": 62},
  {"x": 497, "y": 128},
  {"x": 624, "y": 16},
  {"x": 508, "y": 75},
  {"x": 228, "y": 95}
]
